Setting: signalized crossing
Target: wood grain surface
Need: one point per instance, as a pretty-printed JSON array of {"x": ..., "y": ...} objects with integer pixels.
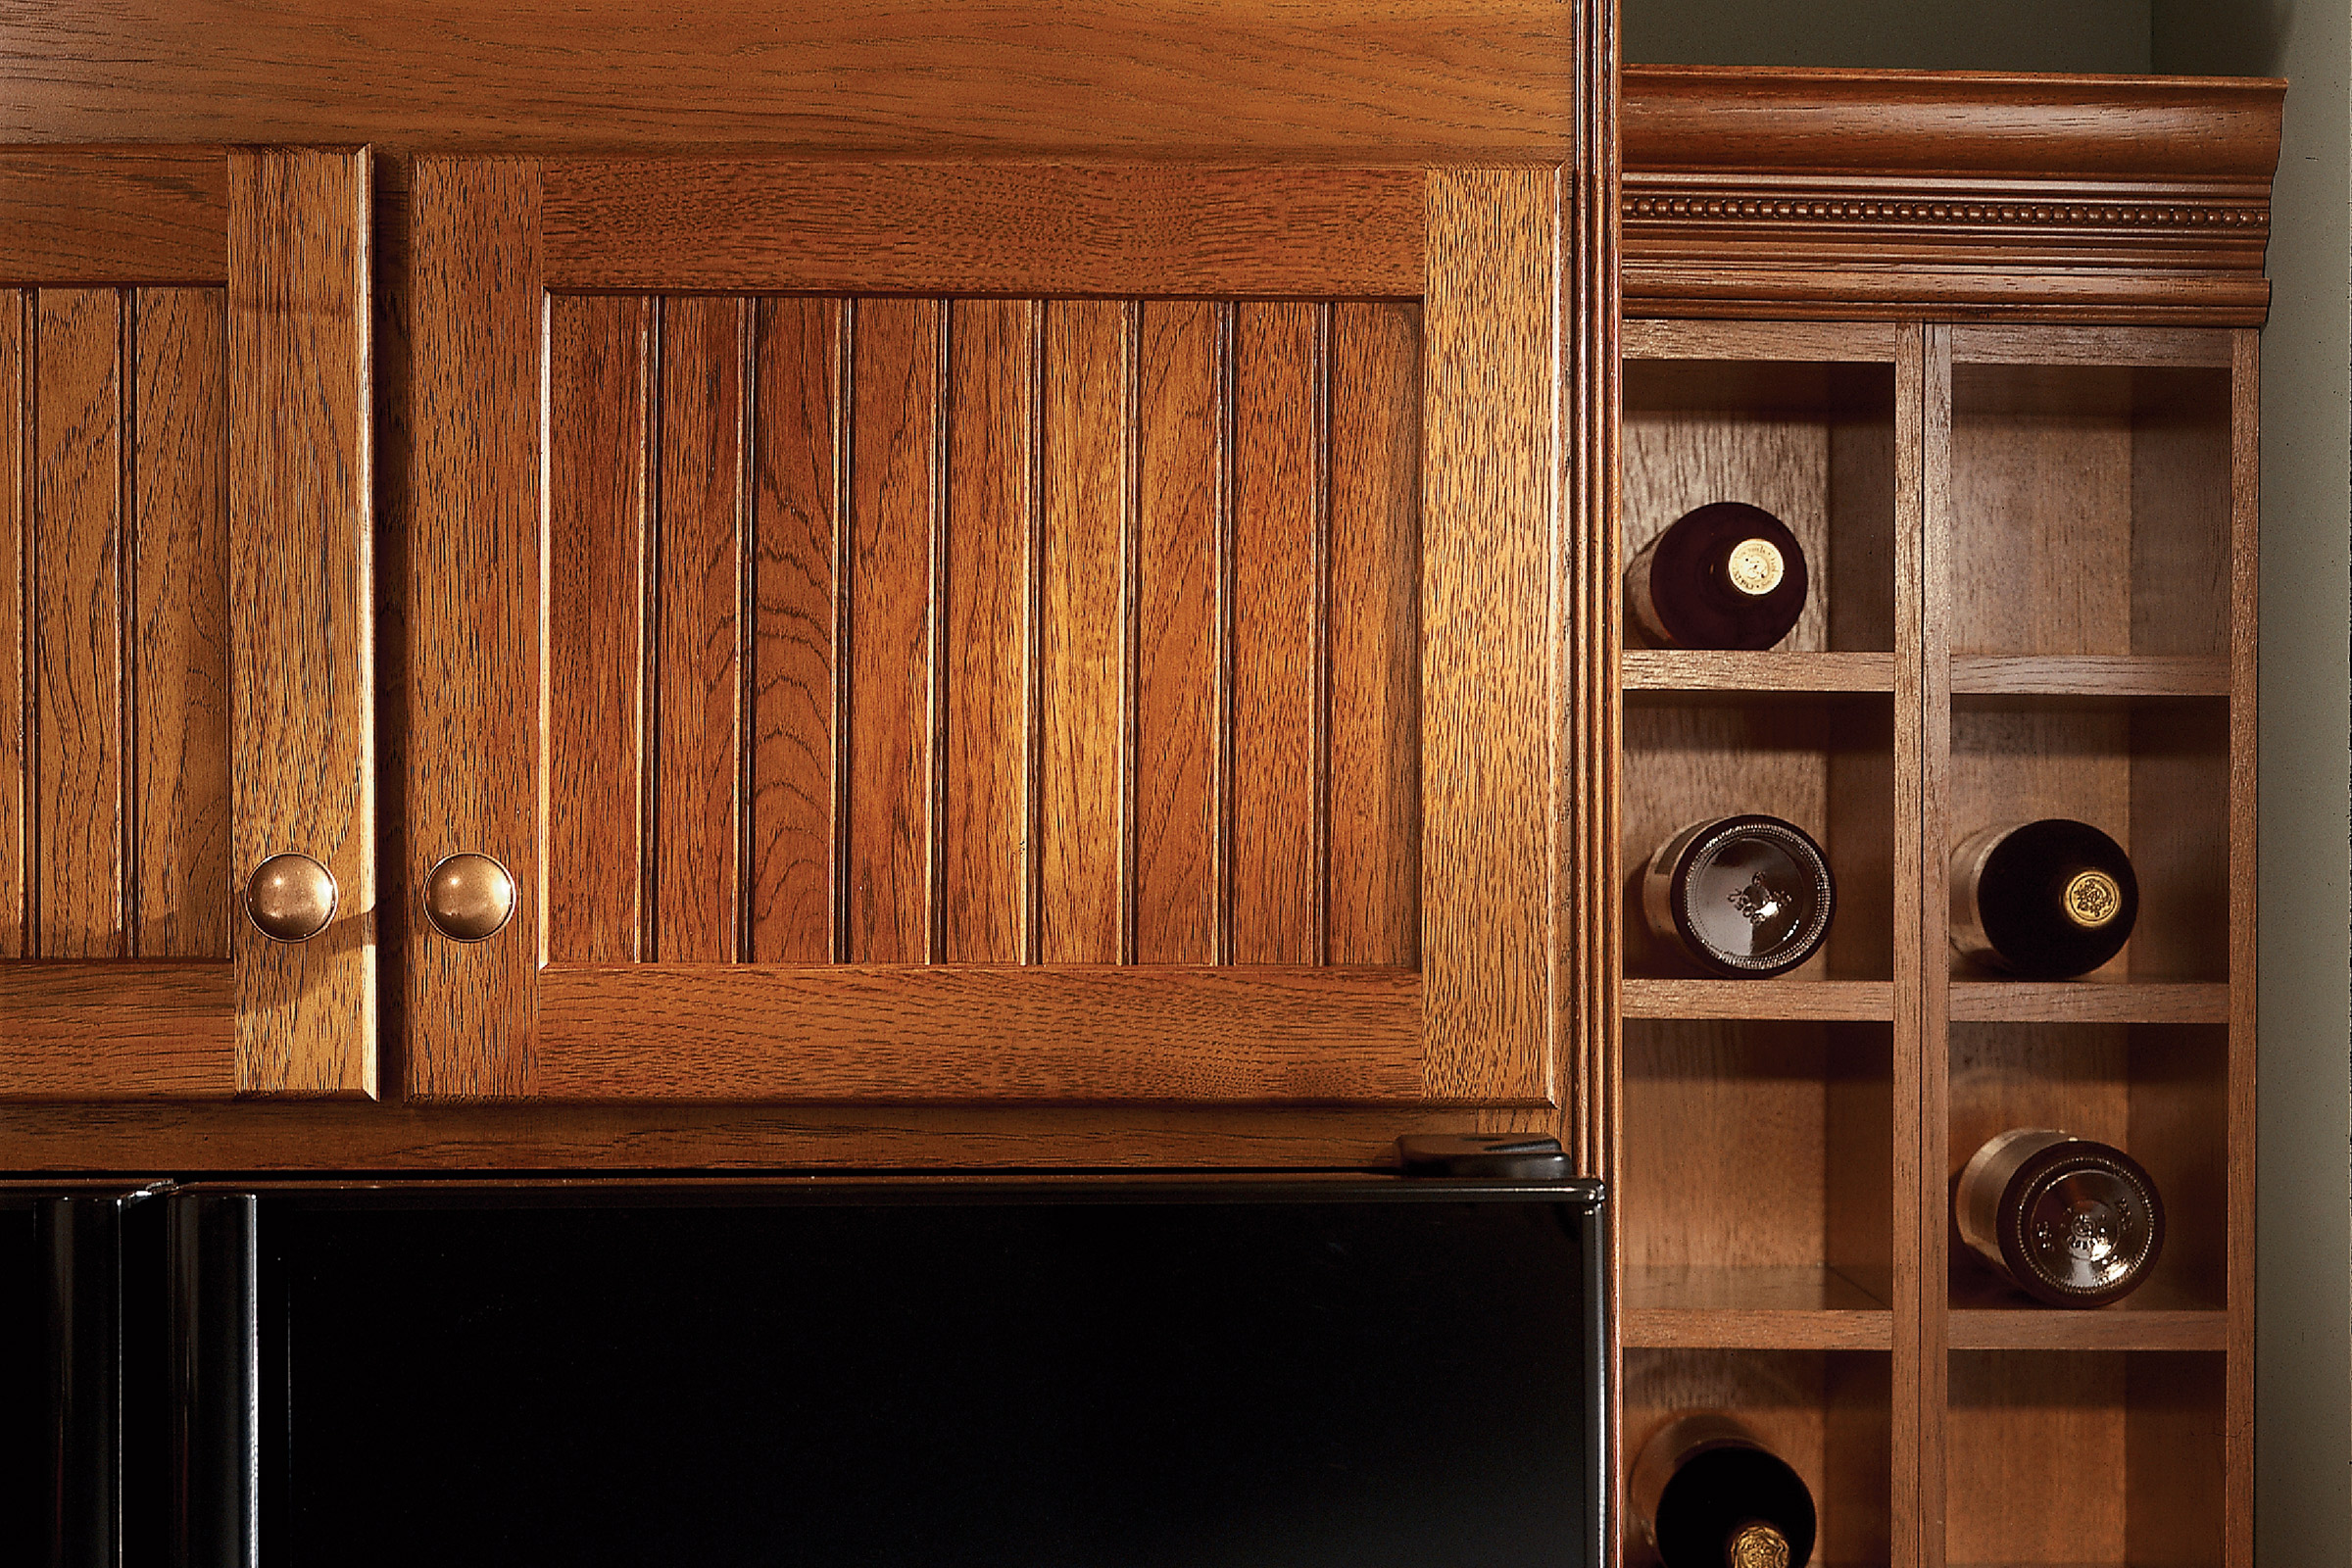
[
  {"x": 82, "y": 215},
  {"x": 971, "y": 1032},
  {"x": 182, "y": 899},
  {"x": 303, "y": 724},
  {"x": 982, "y": 228},
  {"x": 17, "y": 338},
  {"x": 474, "y": 760},
  {"x": 105, "y": 1032},
  {"x": 1698, "y": 669}
]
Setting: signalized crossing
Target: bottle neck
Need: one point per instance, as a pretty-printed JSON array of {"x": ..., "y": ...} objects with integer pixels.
[{"x": 1755, "y": 1544}]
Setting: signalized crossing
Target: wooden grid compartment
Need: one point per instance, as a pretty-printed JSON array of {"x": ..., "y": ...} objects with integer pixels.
[
  {"x": 2081, "y": 1458},
  {"x": 1826, "y": 1413}
]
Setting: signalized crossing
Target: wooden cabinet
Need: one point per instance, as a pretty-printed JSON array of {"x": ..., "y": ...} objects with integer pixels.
[
  {"x": 2035, "y": 540},
  {"x": 184, "y": 620}
]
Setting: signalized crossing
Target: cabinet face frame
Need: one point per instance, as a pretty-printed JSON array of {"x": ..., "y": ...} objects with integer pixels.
[
  {"x": 206, "y": 509},
  {"x": 1480, "y": 1023}
]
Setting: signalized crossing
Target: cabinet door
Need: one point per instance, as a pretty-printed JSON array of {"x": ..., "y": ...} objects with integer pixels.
[
  {"x": 986, "y": 631},
  {"x": 184, "y": 623}
]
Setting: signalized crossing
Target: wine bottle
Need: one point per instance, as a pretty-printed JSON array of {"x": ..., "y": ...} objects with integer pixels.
[
  {"x": 1743, "y": 896},
  {"x": 2045, "y": 900},
  {"x": 2067, "y": 1220},
  {"x": 1726, "y": 575},
  {"x": 1705, "y": 1493}
]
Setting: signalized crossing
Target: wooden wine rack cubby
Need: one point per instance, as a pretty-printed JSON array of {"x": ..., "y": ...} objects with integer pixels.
[{"x": 2027, "y": 490}]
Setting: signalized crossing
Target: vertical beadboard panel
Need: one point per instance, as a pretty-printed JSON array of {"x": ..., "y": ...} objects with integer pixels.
[
  {"x": 992, "y": 406},
  {"x": 1088, "y": 516},
  {"x": 1375, "y": 648},
  {"x": 78, "y": 626},
  {"x": 180, "y": 673},
  {"x": 1278, "y": 723},
  {"x": 699, "y": 678},
  {"x": 1178, "y": 642},
  {"x": 15, "y": 393},
  {"x": 894, "y": 521},
  {"x": 796, "y": 503},
  {"x": 599, "y": 384}
]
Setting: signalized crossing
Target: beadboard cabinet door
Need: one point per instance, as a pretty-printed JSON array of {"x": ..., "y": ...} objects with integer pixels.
[
  {"x": 987, "y": 631},
  {"x": 185, "y": 633}
]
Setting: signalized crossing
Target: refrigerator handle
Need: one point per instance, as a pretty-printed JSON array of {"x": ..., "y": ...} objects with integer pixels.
[
  {"x": 215, "y": 1377},
  {"x": 81, "y": 1240}
]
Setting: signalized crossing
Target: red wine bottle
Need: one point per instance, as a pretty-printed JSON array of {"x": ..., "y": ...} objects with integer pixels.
[
  {"x": 1743, "y": 896},
  {"x": 1705, "y": 1493},
  {"x": 2044, "y": 899},
  {"x": 1726, "y": 575},
  {"x": 2067, "y": 1220}
]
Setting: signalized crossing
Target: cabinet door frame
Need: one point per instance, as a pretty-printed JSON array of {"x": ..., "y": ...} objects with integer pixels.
[
  {"x": 282, "y": 233},
  {"x": 1485, "y": 250}
]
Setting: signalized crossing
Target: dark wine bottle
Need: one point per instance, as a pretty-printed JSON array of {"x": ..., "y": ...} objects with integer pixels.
[
  {"x": 1743, "y": 896},
  {"x": 1705, "y": 1493},
  {"x": 2044, "y": 899},
  {"x": 2067, "y": 1220},
  {"x": 1726, "y": 575}
]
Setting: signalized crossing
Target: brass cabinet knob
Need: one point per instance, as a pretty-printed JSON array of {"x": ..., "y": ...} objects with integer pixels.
[
  {"x": 469, "y": 898},
  {"x": 290, "y": 898}
]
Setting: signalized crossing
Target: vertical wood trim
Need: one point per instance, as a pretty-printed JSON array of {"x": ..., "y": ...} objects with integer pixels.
[
  {"x": 1033, "y": 651},
  {"x": 1276, "y": 659},
  {"x": 792, "y": 867},
  {"x": 78, "y": 636},
  {"x": 1085, "y": 518},
  {"x": 845, "y": 606},
  {"x": 1321, "y": 639},
  {"x": 1373, "y": 643},
  {"x": 984, "y": 644},
  {"x": 302, "y": 727},
  {"x": 475, "y": 611},
  {"x": 649, "y": 668},
  {"x": 16, "y": 424},
  {"x": 1130, "y": 638},
  {"x": 183, "y": 890},
  {"x": 2245, "y": 535},
  {"x": 697, "y": 891},
  {"x": 894, "y": 519},
  {"x": 1492, "y": 549},
  {"x": 598, "y": 391},
  {"x": 126, "y": 603},
  {"x": 938, "y": 655},
  {"x": 1923, "y": 1364}
]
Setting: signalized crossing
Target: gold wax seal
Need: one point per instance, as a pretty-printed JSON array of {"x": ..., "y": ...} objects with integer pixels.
[
  {"x": 1757, "y": 1545},
  {"x": 1757, "y": 567},
  {"x": 2093, "y": 899}
]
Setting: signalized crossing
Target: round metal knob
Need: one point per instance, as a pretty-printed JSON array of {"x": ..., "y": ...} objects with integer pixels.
[
  {"x": 290, "y": 898},
  {"x": 469, "y": 898}
]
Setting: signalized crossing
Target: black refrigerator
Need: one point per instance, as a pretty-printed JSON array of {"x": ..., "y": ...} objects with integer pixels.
[{"x": 1168, "y": 1371}]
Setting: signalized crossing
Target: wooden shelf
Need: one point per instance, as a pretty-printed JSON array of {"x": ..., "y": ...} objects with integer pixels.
[
  {"x": 2109, "y": 1329},
  {"x": 1752, "y": 1309},
  {"x": 2090, "y": 675},
  {"x": 1678, "y": 669},
  {"x": 1827, "y": 1000},
  {"x": 2088, "y": 1002}
]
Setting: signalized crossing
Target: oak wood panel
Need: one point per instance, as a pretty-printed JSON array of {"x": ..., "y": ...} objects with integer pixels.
[
  {"x": 2090, "y": 675},
  {"x": 2043, "y": 343},
  {"x": 896, "y": 486},
  {"x": 2058, "y": 1329},
  {"x": 113, "y": 215},
  {"x": 2030, "y": 1429},
  {"x": 1859, "y": 1000},
  {"x": 799, "y": 404},
  {"x": 981, "y": 1031},
  {"x": 1373, "y": 907},
  {"x": 989, "y": 532},
  {"x": 1491, "y": 714},
  {"x": 300, "y": 495},
  {"x": 1086, "y": 548},
  {"x": 982, "y": 227},
  {"x": 1775, "y": 342},
  {"x": 600, "y": 477},
  {"x": 1678, "y": 670},
  {"x": 15, "y": 567},
  {"x": 1280, "y": 738},
  {"x": 1196, "y": 77},
  {"x": 474, "y": 781},
  {"x": 697, "y": 845},
  {"x": 96, "y": 1032},
  {"x": 1178, "y": 778},
  {"x": 74, "y": 639},
  {"x": 181, "y": 904},
  {"x": 1754, "y": 1329}
]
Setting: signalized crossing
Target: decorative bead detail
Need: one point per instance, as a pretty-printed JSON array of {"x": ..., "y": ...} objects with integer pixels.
[{"x": 2101, "y": 214}]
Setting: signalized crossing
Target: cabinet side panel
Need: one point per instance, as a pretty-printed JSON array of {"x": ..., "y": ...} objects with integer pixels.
[
  {"x": 1375, "y": 635},
  {"x": 697, "y": 627},
  {"x": 16, "y": 709},
  {"x": 795, "y": 865},
  {"x": 1180, "y": 649},
  {"x": 180, "y": 641},
  {"x": 1085, "y": 556},
  {"x": 984, "y": 827},
  {"x": 1280, "y": 741},
  {"x": 894, "y": 519},
  {"x": 599, "y": 371},
  {"x": 76, "y": 632}
]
